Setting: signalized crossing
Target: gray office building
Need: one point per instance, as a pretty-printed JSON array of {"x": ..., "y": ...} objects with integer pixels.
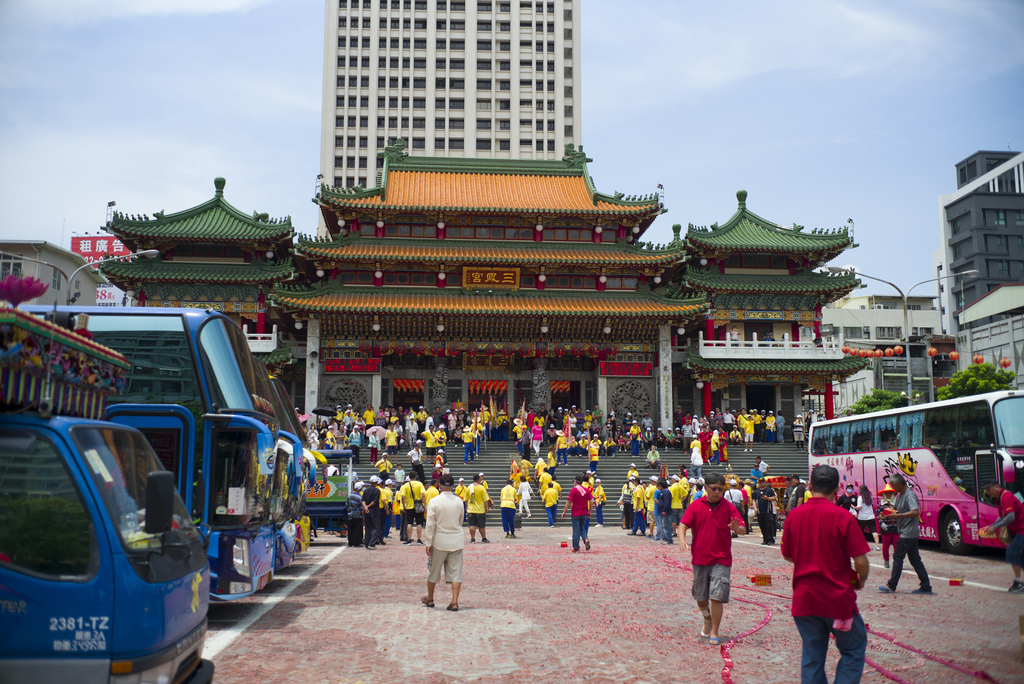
[{"x": 982, "y": 228}]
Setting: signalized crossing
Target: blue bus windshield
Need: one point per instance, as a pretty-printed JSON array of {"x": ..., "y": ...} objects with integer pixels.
[
  {"x": 1009, "y": 416},
  {"x": 235, "y": 381}
]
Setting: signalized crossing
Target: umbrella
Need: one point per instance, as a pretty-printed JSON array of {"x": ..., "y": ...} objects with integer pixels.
[
  {"x": 377, "y": 431},
  {"x": 304, "y": 417},
  {"x": 325, "y": 411}
]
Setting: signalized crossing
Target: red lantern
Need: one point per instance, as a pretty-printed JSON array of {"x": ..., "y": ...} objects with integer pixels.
[
  {"x": 979, "y": 359},
  {"x": 897, "y": 350},
  {"x": 864, "y": 353},
  {"x": 846, "y": 349},
  {"x": 954, "y": 355},
  {"x": 1004, "y": 362},
  {"x": 932, "y": 351},
  {"x": 888, "y": 351},
  {"x": 879, "y": 353}
]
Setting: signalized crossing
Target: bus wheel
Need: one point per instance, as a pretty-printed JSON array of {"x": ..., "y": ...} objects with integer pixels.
[{"x": 951, "y": 535}]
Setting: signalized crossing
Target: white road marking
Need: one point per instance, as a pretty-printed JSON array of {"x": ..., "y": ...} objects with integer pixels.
[
  {"x": 906, "y": 571},
  {"x": 223, "y": 639}
]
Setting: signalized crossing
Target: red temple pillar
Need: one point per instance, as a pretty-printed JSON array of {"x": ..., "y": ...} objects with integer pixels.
[
  {"x": 440, "y": 230},
  {"x": 261, "y": 313},
  {"x": 794, "y": 331},
  {"x": 709, "y": 329},
  {"x": 706, "y": 399},
  {"x": 829, "y": 406}
]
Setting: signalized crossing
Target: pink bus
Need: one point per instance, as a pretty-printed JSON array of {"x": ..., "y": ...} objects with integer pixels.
[{"x": 945, "y": 450}]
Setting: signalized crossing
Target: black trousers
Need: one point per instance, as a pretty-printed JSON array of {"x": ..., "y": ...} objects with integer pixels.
[
  {"x": 355, "y": 531},
  {"x": 908, "y": 548},
  {"x": 766, "y": 523},
  {"x": 627, "y": 515},
  {"x": 355, "y": 453},
  {"x": 418, "y": 467},
  {"x": 370, "y": 521}
]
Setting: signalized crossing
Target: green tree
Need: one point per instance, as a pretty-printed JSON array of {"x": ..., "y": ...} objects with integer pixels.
[
  {"x": 878, "y": 400},
  {"x": 976, "y": 379}
]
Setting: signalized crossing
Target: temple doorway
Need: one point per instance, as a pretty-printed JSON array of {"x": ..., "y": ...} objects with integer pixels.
[{"x": 761, "y": 398}]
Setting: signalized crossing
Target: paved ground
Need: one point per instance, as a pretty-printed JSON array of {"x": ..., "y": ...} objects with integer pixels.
[{"x": 532, "y": 611}]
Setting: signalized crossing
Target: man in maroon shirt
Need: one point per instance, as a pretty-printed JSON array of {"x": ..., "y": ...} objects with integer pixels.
[
  {"x": 713, "y": 521},
  {"x": 819, "y": 540},
  {"x": 580, "y": 501},
  {"x": 1011, "y": 516}
]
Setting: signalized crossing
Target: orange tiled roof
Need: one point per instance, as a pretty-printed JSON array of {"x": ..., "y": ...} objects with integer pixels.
[
  {"x": 487, "y": 192},
  {"x": 440, "y": 302},
  {"x": 464, "y": 251}
]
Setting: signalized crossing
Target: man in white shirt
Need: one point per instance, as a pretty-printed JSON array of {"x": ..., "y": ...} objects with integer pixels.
[
  {"x": 445, "y": 541},
  {"x": 416, "y": 459},
  {"x": 332, "y": 470},
  {"x": 525, "y": 494}
]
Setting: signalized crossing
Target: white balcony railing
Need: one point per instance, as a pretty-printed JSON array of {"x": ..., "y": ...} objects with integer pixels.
[
  {"x": 784, "y": 349},
  {"x": 261, "y": 343}
]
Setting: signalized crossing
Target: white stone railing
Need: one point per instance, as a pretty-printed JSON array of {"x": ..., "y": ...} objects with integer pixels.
[
  {"x": 769, "y": 349},
  {"x": 261, "y": 343}
]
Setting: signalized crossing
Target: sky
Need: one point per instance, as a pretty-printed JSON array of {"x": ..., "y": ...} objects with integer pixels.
[{"x": 822, "y": 110}]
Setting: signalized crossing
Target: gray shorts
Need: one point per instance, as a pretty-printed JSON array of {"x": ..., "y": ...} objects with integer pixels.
[
  {"x": 711, "y": 582},
  {"x": 451, "y": 561},
  {"x": 675, "y": 515}
]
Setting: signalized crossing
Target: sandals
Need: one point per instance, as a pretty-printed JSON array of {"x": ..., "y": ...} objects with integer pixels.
[
  {"x": 427, "y": 602},
  {"x": 714, "y": 641},
  {"x": 454, "y": 607},
  {"x": 706, "y": 632}
]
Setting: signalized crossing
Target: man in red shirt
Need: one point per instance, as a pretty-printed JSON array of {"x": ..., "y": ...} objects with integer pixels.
[
  {"x": 819, "y": 540},
  {"x": 580, "y": 500},
  {"x": 1011, "y": 516},
  {"x": 713, "y": 521}
]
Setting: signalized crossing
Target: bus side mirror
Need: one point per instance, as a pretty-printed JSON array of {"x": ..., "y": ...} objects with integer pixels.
[{"x": 159, "y": 501}]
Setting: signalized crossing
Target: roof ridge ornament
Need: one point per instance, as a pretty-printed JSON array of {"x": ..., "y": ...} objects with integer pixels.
[
  {"x": 218, "y": 184},
  {"x": 395, "y": 152},
  {"x": 576, "y": 159},
  {"x": 741, "y": 197}
]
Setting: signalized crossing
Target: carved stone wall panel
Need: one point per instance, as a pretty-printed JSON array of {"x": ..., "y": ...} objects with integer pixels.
[
  {"x": 631, "y": 396},
  {"x": 346, "y": 390}
]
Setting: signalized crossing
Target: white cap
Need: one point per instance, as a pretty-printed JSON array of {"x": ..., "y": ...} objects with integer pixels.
[
  {"x": 359, "y": 485},
  {"x": 481, "y": 474},
  {"x": 597, "y": 480},
  {"x": 389, "y": 482},
  {"x": 692, "y": 481},
  {"x": 440, "y": 451},
  {"x": 674, "y": 477},
  {"x": 803, "y": 481},
  {"x": 700, "y": 480},
  {"x": 374, "y": 479},
  {"x": 653, "y": 477},
  {"x": 462, "y": 479},
  {"x": 632, "y": 465}
]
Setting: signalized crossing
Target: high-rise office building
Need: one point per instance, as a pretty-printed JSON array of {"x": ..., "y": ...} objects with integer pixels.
[
  {"x": 982, "y": 229},
  {"x": 477, "y": 78}
]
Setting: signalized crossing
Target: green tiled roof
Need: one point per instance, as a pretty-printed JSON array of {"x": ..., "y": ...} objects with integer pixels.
[
  {"x": 212, "y": 221},
  {"x": 845, "y": 366},
  {"x": 184, "y": 272},
  {"x": 805, "y": 282},
  {"x": 283, "y": 354},
  {"x": 745, "y": 231}
]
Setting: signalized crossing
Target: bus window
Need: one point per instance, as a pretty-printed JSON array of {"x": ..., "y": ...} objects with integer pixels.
[
  {"x": 941, "y": 437},
  {"x": 885, "y": 433},
  {"x": 1009, "y": 415},
  {"x": 975, "y": 425},
  {"x": 820, "y": 445},
  {"x": 839, "y": 441},
  {"x": 910, "y": 430},
  {"x": 861, "y": 437},
  {"x": 986, "y": 469}
]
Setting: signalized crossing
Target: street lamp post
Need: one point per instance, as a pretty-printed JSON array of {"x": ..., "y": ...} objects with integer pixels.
[
  {"x": 148, "y": 253},
  {"x": 906, "y": 315}
]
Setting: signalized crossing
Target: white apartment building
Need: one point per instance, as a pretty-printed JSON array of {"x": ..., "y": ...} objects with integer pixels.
[{"x": 485, "y": 79}]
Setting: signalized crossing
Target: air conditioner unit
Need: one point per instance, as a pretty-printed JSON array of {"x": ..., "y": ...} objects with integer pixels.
[
  {"x": 863, "y": 307},
  {"x": 879, "y": 306},
  {"x": 867, "y": 331}
]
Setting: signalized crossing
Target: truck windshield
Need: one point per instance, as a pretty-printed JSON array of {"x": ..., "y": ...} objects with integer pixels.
[
  {"x": 163, "y": 368},
  {"x": 120, "y": 461},
  {"x": 237, "y": 380},
  {"x": 1009, "y": 417}
]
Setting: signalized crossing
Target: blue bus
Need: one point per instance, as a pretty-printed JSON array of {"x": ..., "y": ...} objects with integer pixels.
[
  {"x": 103, "y": 575},
  {"x": 207, "y": 407}
]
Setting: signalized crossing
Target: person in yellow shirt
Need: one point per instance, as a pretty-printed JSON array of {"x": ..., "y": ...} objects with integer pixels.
[
  {"x": 639, "y": 510},
  {"x": 387, "y": 497},
  {"x": 391, "y": 441},
  {"x": 716, "y": 450},
  {"x": 634, "y": 438},
  {"x": 561, "y": 448},
  {"x": 440, "y": 438},
  {"x": 462, "y": 491},
  {"x": 517, "y": 430},
  {"x": 649, "y": 496},
  {"x": 468, "y": 445},
  {"x": 758, "y": 427},
  {"x": 384, "y": 466},
  {"x": 632, "y": 472},
  {"x": 431, "y": 492},
  {"x": 600, "y": 499},
  {"x": 678, "y": 490},
  {"x": 508, "y": 509},
  {"x": 542, "y": 466},
  {"x": 369, "y": 416},
  {"x": 550, "y": 498},
  {"x": 430, "y": 443},
  {"x": 525, "y": 467},
  {"x": 477, "y": 505},
  {"x": 583, "y": 446},
  {"x": 545, "y": 482},
  {"x": 748, "y": 433},
  {"x": 609, "y": 447},
  {"x": 412, "y": 492},
  {"x": 626, "y": 503},
  {"x": 595, "y": 453}
]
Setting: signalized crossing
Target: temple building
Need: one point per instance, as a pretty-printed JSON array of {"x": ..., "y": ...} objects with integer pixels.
[
  {"x": 459, "y": 281},
  {"x": 213, "y": 256},
  {"x": 761, "y": 345}
]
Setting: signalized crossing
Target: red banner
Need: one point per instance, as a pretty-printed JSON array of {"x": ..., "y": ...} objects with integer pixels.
[
  {"x": 352, "y": 366},
  {"x": 625, "y": 368}
]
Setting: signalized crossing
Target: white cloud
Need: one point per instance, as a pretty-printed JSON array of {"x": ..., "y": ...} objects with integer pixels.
[{"x": 71, "y": 12}]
